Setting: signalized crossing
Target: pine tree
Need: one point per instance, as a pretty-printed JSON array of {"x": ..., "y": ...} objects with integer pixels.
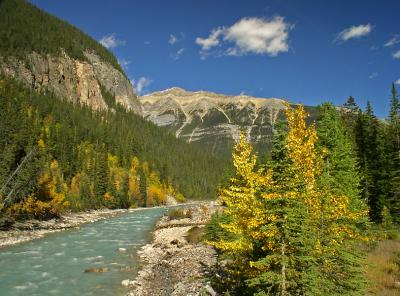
[
  {"x": 101, "y": 173},
  {"x": 297, "y": 238},
  {"x": 244, "y": 214},
  {"x": 343, "y": 213},
  {"x": 393, "y": 153},
  {"x": 375, "y": 171}
]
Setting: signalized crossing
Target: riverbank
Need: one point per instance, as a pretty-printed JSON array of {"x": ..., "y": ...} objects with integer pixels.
[
  {"x": 176, "y": 263},
  {"x": 33, "y": 229}
]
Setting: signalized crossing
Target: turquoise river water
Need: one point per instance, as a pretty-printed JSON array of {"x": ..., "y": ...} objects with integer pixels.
[{"x": 55, "y": 264}]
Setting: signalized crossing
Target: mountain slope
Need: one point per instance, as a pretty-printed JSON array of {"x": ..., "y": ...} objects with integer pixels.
[
  {"x": 213, "y": 121},
  {"x": 56, "y": 153},
  {"x": 46, "y": 53}
]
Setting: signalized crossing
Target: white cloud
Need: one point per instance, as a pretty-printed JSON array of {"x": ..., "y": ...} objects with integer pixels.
[
  {"x": 124, "y": 63},
  {"x": 354, "y": 32},
  {"x": 141, "y": 85},
  {"x": 396, "y": 55},
  {"x": 395, "y": 40},
  {"x": 373, "y": 75},
  {"x": 178, "y": 54},
  {"x": 175, "y": 38},
  {"x": 110, "y": 41},
  {"x": 397, "y": 81},
  {"x": 212, "y": 40},
  {"x": 250, "y": 35},
  {"x": 259, "y": 36},
  {"x": 172, "y": 39}
]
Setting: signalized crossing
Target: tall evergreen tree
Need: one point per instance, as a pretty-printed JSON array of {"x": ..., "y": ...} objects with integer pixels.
[
  {"x": 375, "y": 172},
  {"x": 340, "y": 178},
  {"x": 393, "y": 153},
  {"x": 296, "y": 239}
]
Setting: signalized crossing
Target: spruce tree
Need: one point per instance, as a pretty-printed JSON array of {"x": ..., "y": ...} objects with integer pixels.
[
  {"x": 342, "y": 271},
  {"x": 393, "y": 153},
  {"x": 297, "y": 237},
  {"x": 375, "y": 170}
]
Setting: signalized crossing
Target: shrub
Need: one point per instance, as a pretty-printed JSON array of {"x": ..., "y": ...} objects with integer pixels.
[{"x": 176, "y": 214}]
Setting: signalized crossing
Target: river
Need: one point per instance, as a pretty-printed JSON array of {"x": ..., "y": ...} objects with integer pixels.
[{"x": 55, "y": 264}]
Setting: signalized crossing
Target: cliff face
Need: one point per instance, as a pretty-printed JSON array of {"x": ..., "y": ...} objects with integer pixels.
[
  {"x": 74, "y": 80},
  {"x": 212, "y": 120}
]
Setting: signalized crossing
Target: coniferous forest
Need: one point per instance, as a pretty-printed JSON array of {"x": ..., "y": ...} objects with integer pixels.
[
  {"x": 296, "y": 224},
  {"x": 75, "y": 158},
  {"x": 300, "y": 218}
]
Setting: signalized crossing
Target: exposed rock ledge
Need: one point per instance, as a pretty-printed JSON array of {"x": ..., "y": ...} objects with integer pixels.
[
  {"x": 173, "y": 264},
  {"x": 32, "y": 229},
  {"x": 75, "y": 80}
]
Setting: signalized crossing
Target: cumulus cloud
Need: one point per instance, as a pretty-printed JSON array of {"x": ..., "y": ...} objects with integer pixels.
[
  {"x": 124, "y": 63},
  {"x": 354, "y": 32},
  {"x": 110, "y": 41},
  {"x": 397, "y": 81},
  {"x": 212, "y": 40},
  {"x": 250, "y": 35},
  {"x": 395, "y": 40},
  {"x": 259, "y": 36},
  {"x": 396, "y": 55},
  {"x": 373, "y": 75},
  {"x": 141, "y": 85},
  {"x": 178, "y": 54}
]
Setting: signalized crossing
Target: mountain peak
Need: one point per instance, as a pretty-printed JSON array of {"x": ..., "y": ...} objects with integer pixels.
[{"x": 213, "y": 120}]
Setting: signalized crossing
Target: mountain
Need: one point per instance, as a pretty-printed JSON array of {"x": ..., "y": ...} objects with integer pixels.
[
  {"x": 213, "y": 121},
  {"x": 71, "y": 132},
  {"x": 48, "y": 54}
]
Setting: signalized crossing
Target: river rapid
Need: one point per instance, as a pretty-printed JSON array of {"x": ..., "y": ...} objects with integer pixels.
[{"x": 56, "y": 264}]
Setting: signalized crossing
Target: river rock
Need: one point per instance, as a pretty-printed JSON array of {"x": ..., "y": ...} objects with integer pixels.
[
  {"x": 210, "y": 290},
  {"x": 127, "y": 283},
  {"x": 121, "y": 250},
  {"x": 97, "y": 270},
  {"x": 172, "y": 266}
]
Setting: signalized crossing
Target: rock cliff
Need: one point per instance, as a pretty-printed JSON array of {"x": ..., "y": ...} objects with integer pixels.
[{"x": 71, "y": 79}]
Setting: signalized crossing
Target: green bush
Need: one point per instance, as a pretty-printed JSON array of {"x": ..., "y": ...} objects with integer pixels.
[{"x": 176, "y": 214}]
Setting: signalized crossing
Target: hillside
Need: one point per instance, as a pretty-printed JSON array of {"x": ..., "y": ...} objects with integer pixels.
[
  {"x": 213, "y": 121},
  {"x": 71, "y": 132},
  {"x": 48, "y": 54},
  {"x": 91, "y": 160}
]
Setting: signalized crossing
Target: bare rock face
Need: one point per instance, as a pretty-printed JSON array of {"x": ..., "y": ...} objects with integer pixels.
[
  {"x": 74, "y": 80},
  {"x": 115, "y": 82},
  {"x": 213, "y": 120}
]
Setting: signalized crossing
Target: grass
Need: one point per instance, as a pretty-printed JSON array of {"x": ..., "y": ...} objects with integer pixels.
[{"x": 383, "y": 269}]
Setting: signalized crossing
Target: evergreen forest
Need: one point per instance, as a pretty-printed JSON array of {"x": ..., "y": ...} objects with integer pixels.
[
  {"x": 297, "y": 224},
  {"x": 57, "y": 156}
]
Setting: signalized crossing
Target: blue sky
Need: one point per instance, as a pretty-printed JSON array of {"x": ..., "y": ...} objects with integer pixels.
[{"x": 306, "y": 51}]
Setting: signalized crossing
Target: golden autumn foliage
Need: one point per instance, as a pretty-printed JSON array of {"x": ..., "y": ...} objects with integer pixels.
[
  {"x": 242, "y": 200},
  {"x": 49, "y": 199},
  {"x": 284, "y": 222}
]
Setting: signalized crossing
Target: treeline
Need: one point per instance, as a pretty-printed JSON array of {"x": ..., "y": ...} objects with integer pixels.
[
  {"x": 377, "y": 144},
  {"x": 25, "y": 28},
  {"x": 292, "y": 225},
  {"x": 75, "y": 158}
]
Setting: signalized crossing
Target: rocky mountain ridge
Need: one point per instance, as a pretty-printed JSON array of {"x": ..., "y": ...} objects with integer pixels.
[
  {"x": 213, "y": 120},
  {"x": 74, "y": 80}
]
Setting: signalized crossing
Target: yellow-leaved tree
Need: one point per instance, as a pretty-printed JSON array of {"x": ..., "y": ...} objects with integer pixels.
[
  {"x": 48, "y": 200},
  {"x": 287, "y": 226}
]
